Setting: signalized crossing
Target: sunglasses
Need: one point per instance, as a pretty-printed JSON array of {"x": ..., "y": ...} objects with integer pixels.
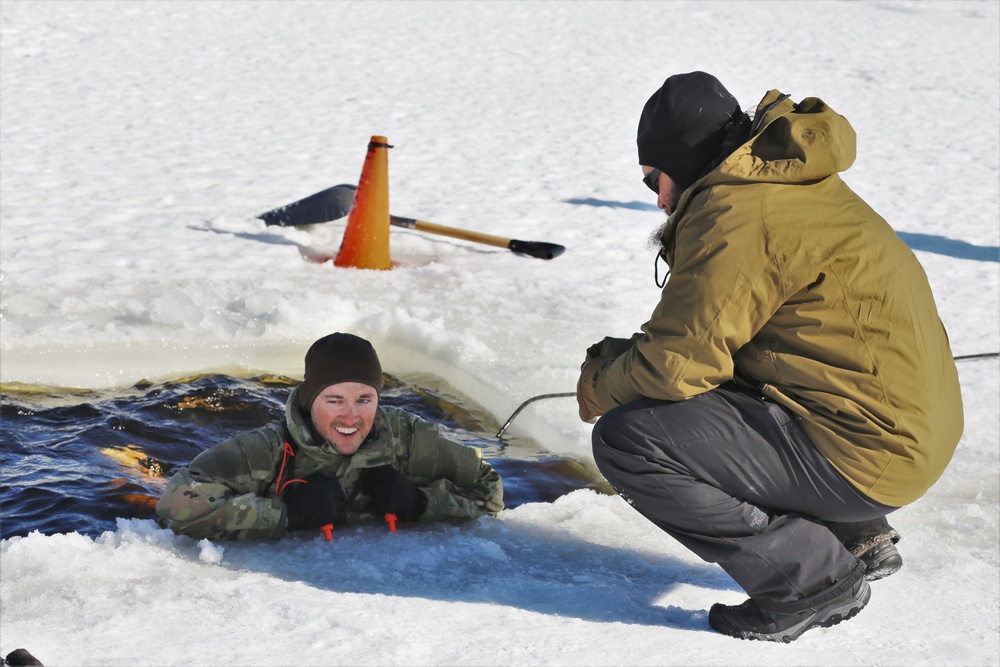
[{"x": 652, "y": 180}]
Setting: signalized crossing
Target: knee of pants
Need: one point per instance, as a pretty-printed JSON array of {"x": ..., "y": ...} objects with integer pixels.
[
  {"x": 598, "y": 443},
  {"x": 617, "y": 449}
]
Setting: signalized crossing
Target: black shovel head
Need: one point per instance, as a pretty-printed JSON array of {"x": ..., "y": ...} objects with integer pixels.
[{"x": 330, "y": 204}]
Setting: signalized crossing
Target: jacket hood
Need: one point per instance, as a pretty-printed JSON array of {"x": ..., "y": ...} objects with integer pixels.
[
  {"x": 299, "y": 425},
  {"x": 790, "y": 143}
]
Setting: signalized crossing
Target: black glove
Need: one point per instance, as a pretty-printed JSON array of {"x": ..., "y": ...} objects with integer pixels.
[
  {"x": 391, "y": 492},
  {"x": 612, "y": 347},
  {"x": 314, "y": 502}
]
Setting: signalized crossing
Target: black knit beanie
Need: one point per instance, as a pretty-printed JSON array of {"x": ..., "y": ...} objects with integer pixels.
[
  {"x": 339, "y": 357},
  {"x": 689, "y": 126}
]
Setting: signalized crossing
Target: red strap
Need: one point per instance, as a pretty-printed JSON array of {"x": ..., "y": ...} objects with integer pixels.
[{"x": 279, "y": 488}]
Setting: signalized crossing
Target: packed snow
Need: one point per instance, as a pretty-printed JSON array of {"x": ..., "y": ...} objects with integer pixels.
[{"x": 141, "y": 139}]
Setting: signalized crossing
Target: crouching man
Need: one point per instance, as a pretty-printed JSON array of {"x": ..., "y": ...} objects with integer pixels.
[{"x": 794, "y": 385}]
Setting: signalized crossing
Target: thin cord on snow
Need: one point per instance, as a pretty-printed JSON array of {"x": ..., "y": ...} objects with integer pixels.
[{"x": 984, "y": 355}]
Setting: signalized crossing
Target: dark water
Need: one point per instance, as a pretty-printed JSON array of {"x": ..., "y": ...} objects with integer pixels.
[{"x": 77, "y": 460}]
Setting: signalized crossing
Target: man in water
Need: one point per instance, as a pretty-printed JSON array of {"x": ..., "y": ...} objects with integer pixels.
[{"x": 336, "y": 458}]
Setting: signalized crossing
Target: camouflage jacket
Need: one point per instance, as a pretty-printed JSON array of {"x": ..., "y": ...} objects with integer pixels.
[{"x": 233, "y": 490}]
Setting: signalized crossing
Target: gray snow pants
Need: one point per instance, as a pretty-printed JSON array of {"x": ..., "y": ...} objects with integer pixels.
[{"x": 733, "y": 478}]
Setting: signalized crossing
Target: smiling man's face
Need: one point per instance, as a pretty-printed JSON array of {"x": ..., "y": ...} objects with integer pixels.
[{"x": 343, "y": 415}]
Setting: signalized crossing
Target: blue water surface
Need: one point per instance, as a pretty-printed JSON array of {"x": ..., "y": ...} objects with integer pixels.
[{"x": 78, "y": 460}]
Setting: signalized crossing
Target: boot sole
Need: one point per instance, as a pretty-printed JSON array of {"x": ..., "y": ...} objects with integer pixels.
[
  {"x": 882, "y": 561},
  {"x": 824, "y": 618},
  {"x": 883, "y": 570}
]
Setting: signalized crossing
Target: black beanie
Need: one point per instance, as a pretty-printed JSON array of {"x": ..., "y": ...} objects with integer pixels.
[
  {"x": 339, "y": 357},
  {"x": 685, "y": 125}
]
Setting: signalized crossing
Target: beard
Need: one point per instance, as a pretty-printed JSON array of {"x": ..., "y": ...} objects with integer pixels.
[
  {"x": 673, "y": 196},
  {"x": 656, "y": 236},
  {"x": 655, "y": 241}
]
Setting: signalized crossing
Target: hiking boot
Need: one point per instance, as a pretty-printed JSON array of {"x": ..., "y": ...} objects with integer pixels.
[
  {"x": 881, "y": 560},
  {"x": 786, "y": 621},
  {"x": 873, "y": 542}
]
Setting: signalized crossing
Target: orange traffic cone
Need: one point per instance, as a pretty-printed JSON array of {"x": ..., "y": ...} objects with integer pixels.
[{"x": 366, "y": 240}]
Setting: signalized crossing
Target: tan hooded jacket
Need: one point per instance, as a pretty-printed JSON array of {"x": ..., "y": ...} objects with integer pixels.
[{"x": 784, "y": 279}]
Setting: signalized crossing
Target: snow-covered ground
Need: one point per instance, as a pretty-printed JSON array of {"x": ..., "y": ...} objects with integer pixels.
[{"x": 138, "y": 140}]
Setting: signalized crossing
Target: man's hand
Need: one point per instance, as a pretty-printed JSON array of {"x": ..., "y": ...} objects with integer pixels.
[
  {"x": 392, "y": 493},
  {"x": 599, "y": 355},
  {"x": 612, "y": 347},
  {"x": 586, "y": 389},
  {"x": 315, "y": 501}
]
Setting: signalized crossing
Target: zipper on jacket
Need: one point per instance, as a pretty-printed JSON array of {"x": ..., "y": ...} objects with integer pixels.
[{"x": 759, "y": 118}]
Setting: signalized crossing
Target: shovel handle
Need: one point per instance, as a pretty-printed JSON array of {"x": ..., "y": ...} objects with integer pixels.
[
  {"x": 538, "y": 249},
  {"x": 454, "y": 232}
]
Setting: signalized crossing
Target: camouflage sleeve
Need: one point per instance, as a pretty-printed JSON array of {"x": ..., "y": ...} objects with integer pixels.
[
  {"x": 460, "y": 486},
  {"x": 207, "y": 508},
  {"x": 223, "y": 493},
  {"x": 449, "y": 502}
]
